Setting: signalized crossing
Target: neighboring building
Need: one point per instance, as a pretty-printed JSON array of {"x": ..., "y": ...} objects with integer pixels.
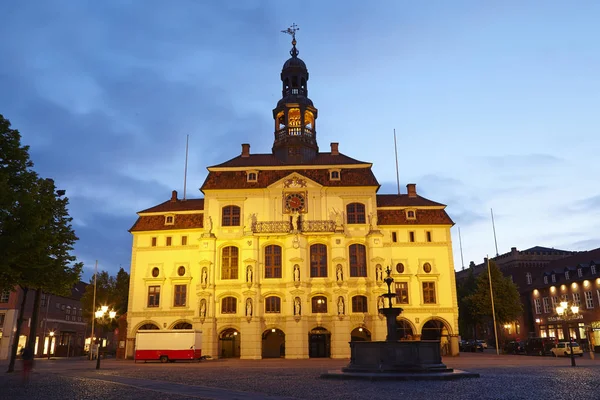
[
  {"x": 286, "y": 253},
  {"x": 63, "y": 316},
  {"x": 575, "y": 280},
  {"x": 521, "y": 266}
]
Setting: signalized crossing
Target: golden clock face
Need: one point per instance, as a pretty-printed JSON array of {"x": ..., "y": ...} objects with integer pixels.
[{"x": 295, "y": 202}]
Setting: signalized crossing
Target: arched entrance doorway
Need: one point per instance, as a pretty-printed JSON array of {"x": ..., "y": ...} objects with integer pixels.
[
  {"x": 319, "y": 343},
  {"x": 360, "y": 334},
  {"x": 229, "y": 343},
  {"x": 404, "y": 329},
  {"x": 273, "y": 343},
  {"x": 148, "y": 326},
  {"x": 432, "y": 330}
]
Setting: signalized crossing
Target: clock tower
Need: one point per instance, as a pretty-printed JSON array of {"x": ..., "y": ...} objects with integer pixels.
[{"x": 295, "y": 116}]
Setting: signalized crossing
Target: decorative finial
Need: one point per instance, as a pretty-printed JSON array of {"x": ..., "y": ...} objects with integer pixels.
[{"x": 292, "y": 31}]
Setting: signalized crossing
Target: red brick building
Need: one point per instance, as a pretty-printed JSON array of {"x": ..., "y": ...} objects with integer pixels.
[{"x": 62, "y": 326}]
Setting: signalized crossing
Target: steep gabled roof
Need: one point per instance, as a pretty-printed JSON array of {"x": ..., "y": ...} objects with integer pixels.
[
  {"x": 403, "y": 200},
  {"x": 269, "y": 160},
  {"x": 238, "y": 180},
  {"x": 177, "y": 205},
  {"x": 157, "y": 222}
]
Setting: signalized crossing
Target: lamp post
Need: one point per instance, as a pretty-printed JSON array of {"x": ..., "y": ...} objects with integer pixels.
[
  {"x": 101, "y": 315},
  {"x": 568, "y": 313},
  {"x": 51, "y": 333}
]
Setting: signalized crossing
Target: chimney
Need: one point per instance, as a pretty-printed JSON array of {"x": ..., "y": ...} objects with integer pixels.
[
  {"x": 513, "y": 249},
  {"x": 245, "y": 150},
  {"x": 412, "y": 189},
  {"x": 174, "y": 196},
  {"x": 334, "y": 149}
]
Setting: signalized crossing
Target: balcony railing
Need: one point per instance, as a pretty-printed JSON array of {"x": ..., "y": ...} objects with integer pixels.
[
  {"x": 286, "y": 227},
  {"x": 293, "y": 131}
]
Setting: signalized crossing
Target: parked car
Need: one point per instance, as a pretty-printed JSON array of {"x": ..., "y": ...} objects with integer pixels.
[
  {"x": 514, "y": 347},
  {"x": 471, "y": 346},
  {"x": 564, "y": 349},
  {"x": 539, "y": 346},
  {"x": 483, "y": 343}
]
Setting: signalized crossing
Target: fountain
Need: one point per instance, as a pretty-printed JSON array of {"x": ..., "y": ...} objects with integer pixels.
[{"x": 393, "y": 359}]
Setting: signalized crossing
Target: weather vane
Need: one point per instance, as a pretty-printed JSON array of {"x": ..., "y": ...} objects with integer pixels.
[{"x": 292, "y": 30}]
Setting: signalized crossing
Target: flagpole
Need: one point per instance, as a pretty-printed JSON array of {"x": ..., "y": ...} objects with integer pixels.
[
  {"x": 494, "y": 228},
  {"x": 396, "y": 150},
  {"x": 93, "y": 313},
  {"x": 493, "y": 309},
  {"x": 187, "y": 141},
  {"x": 462, "y": 261}
]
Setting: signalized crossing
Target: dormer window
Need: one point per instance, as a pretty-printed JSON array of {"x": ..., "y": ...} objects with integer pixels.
[
  {"x": 567, "y": 275},
  {"x": 579, "y": 272},
  {"x": 169, "y": 219},
  {"x": 411, "y": 214},
  {"x": 553, "y": 278},
  {"x": 528, "y": 277},
  {"x": 545, "y": 280},
  {"x": 334, "y": 175},
  {"x": 593, "y": 269},
  {"x": 252, "y": 176}
]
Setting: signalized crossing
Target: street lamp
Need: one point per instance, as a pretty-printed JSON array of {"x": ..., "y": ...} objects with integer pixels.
[
  {"x": 568, "y": 313},
  {"x": 50, "y": 343},
  {"x": 101, "y": 315}
]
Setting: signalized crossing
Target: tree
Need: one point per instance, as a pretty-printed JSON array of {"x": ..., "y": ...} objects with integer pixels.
[
  {"x": 111, "y": 291},
  {"x": 507, "y": 303},
  {"x": 16, "y": 203},
  {"x": 35, "y": 232},
  {"x": 467, "y": 318}
]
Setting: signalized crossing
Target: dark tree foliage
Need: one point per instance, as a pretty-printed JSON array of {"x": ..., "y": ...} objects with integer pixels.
[
  {"x": 507, "y": 303},
  {"x": 110, "y": 291},
  {"x": 467, "y": 319},
  {"x": 36, "y": 237}
]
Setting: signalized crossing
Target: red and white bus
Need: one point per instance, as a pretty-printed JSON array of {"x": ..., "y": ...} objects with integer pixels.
[{"x": 168, "y": 345}]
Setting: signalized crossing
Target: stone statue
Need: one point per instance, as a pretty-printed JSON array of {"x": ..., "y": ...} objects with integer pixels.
[
  {"x": 297, "y": 306},
  {"x": 337, "y": 217},
  {"x": 204, "y": 278},
  {"x": 249, "y": 307},
  {"x": 208, "y": 223},
  {"x": 373, "y": 220},
  {"x": 340, "y": 305},
  {"x": 378, "y": 273},
  {"x": 339, "y": 273},
  {"x": 295, "y": 220},
  {"x": 249, "y": 274},
  {"x": 251, "y": 220},
  {"x": 296, "y": 273},
  {"x": 381, "y": 302},
  {"x": 203, "y": 308}
]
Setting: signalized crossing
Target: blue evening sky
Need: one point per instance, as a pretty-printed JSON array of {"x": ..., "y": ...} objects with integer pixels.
[{"x": 495, "y": 104}]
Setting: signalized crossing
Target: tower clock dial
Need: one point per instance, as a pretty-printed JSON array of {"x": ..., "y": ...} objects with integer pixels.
[{"x": 295, "y": 202}]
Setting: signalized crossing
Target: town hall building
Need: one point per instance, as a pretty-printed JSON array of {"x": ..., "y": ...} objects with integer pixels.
[{"x": 286, "y": 252}]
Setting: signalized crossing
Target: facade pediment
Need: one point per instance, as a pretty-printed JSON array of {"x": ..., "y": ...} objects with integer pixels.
[{"x": 295, "y": 181}]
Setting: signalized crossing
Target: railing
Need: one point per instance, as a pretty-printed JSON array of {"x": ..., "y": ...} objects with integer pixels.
[
  {"x": 286, "y": 227},
  {"x": 318, "y": 226},
  {"x": 272, "y": 227},
  {"x": 293, "y": 131}
]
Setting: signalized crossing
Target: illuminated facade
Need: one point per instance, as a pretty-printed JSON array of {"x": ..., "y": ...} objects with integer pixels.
[{"x": 285, "y": 254}]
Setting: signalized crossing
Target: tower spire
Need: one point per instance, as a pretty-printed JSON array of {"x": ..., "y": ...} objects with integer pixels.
[{"x": 292, "y": 31}]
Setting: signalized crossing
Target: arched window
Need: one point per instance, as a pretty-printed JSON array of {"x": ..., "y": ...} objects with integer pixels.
[
  {"x": 273, "y": 261},
  {"x": 309, "y": 119},
  {"x": 359, "y": 304},
  {"x": 280, "y": 120},
  {"x": 229, "y": 305},
  {"x": 358, "y": 260},
  {"x": 231, "y": 216},
  {"x": 273, "y": 304},
  {"x": 318, "y": 261},
  {"x": 148, "y": 327},
  {"x": 294, "y": 118},
  {"x": 183, "y": 325},
  {"x": 319, "y": 304},
  {"x": 355, "y": 213},
  {"x": 229, "y": 263}
]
